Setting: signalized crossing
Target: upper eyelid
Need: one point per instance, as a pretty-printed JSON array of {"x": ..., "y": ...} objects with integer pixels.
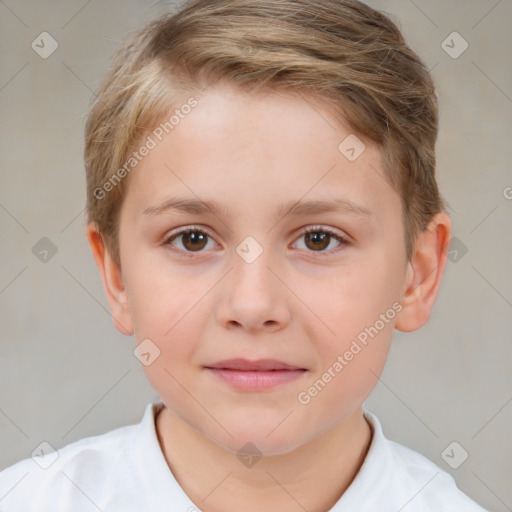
[{"x": 184, "y": 229}]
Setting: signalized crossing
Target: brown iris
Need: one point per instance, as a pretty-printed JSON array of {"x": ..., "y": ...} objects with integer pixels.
[
  {"x": 318, "y": 239},
  {"x": 194, "y": 240}
]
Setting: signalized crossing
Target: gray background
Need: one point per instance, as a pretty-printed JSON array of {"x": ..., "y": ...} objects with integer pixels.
[{"x": 66, "y": 373}]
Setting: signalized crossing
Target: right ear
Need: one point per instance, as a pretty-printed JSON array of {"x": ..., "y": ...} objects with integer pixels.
[{"x": 112, "y": 278}]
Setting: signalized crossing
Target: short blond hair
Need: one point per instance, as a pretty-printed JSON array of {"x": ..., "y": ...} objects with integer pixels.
[{"x": 341, "y": 51}]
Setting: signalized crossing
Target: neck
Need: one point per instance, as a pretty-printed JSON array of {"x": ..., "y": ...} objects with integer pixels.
[{"x": 312, "y": 477}]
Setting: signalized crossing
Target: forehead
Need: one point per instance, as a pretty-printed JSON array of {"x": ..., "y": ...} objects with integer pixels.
[
  {"x": 247, "y": 149},
  {"x": 292, "y": 115}
]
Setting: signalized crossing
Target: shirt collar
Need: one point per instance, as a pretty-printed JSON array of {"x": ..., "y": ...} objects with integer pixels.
[{"x": 163, "y": 492}]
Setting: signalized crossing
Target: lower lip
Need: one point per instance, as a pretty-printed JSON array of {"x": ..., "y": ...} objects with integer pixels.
[{"x": 256, "y": 381}]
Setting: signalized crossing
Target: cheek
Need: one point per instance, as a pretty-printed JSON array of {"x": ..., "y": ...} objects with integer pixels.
[
  {"x": 352, "y": 340},
  {"x": 157, "y": 296},
  {"x": 173, "y": 325},
  {"x": 346, "y": 302},
  {"x": 166, "y": 309},
  {"x": 350, "y": 372}
]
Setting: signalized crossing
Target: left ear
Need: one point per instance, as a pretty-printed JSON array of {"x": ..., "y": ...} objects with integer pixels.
[{"x": 424, "y": 273}]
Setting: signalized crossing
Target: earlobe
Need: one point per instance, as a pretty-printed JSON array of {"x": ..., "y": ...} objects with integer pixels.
[
  {"x": 424, "y": 274},
  {"x": 112, "y": 278}
]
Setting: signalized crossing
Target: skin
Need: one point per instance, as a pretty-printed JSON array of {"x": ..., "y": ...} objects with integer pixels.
[{"x": 294, "y": 303}]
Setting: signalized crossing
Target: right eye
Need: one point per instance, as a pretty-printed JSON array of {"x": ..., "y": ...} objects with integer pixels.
[{"x": 193, "y": 239}]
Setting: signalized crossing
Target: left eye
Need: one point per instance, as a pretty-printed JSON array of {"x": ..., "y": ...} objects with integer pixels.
[{"x": 317, "y": 239}]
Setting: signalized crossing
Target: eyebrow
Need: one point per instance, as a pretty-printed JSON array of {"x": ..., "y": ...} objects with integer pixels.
[{"x": 196, "y": 206}]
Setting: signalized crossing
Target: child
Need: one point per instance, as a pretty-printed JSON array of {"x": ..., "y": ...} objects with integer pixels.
[{"x": 263, "y": 210}]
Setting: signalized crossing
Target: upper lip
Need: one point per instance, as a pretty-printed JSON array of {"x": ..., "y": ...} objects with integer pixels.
[{"x": 258, "y": 365}]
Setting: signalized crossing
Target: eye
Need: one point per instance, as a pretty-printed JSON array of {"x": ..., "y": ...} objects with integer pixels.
[
  {"x": 318, "y": 238},
  {"x": 193, "y": 239}
]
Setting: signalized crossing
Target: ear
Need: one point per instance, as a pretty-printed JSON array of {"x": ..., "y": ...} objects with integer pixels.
[
  {"x": 424, "y": 273},
  {"x": 112, "y": 278}
]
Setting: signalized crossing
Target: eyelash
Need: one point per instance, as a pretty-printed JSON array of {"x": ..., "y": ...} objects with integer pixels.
[{"x": 315, "y": 229}]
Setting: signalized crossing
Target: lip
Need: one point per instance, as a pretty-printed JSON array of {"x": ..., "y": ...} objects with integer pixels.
[
  {"x": 261, "y": 365},
  {"x": 259, "y": 375}
]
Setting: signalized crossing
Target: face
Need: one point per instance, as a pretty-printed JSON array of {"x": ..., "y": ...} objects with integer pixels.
[{"x": 245, "y": 281}]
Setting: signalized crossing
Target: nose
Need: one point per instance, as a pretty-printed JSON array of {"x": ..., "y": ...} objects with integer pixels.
[{"x": 253, "y": 296}]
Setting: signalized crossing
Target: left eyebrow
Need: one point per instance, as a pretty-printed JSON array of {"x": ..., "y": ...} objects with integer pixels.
[
  {"x": 196, "y": 206},
  {"x": 317, "y": 207}
]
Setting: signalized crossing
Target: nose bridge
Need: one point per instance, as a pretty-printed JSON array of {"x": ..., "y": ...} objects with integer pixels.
[
  {"x": 251, "y": 262},
  {"x": 254, "y": 297}
]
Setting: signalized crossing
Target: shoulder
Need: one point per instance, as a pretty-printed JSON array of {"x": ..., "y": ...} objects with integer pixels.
[
  {"x": 74, "y": 474},
  {"x": 427, "y": 485},
  {"x": 399, "y": 478}
]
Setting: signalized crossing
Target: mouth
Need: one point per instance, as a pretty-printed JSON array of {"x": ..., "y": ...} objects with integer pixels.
[
  {"x": 259, "y": 375},
  {"x": 261, "y": 365}
]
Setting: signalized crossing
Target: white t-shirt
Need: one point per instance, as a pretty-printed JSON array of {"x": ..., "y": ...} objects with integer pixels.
[{"x": 125, "y": 470}]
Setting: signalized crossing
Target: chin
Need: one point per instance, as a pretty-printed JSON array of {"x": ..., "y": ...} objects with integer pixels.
[{"x": 262, "y": 439}]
